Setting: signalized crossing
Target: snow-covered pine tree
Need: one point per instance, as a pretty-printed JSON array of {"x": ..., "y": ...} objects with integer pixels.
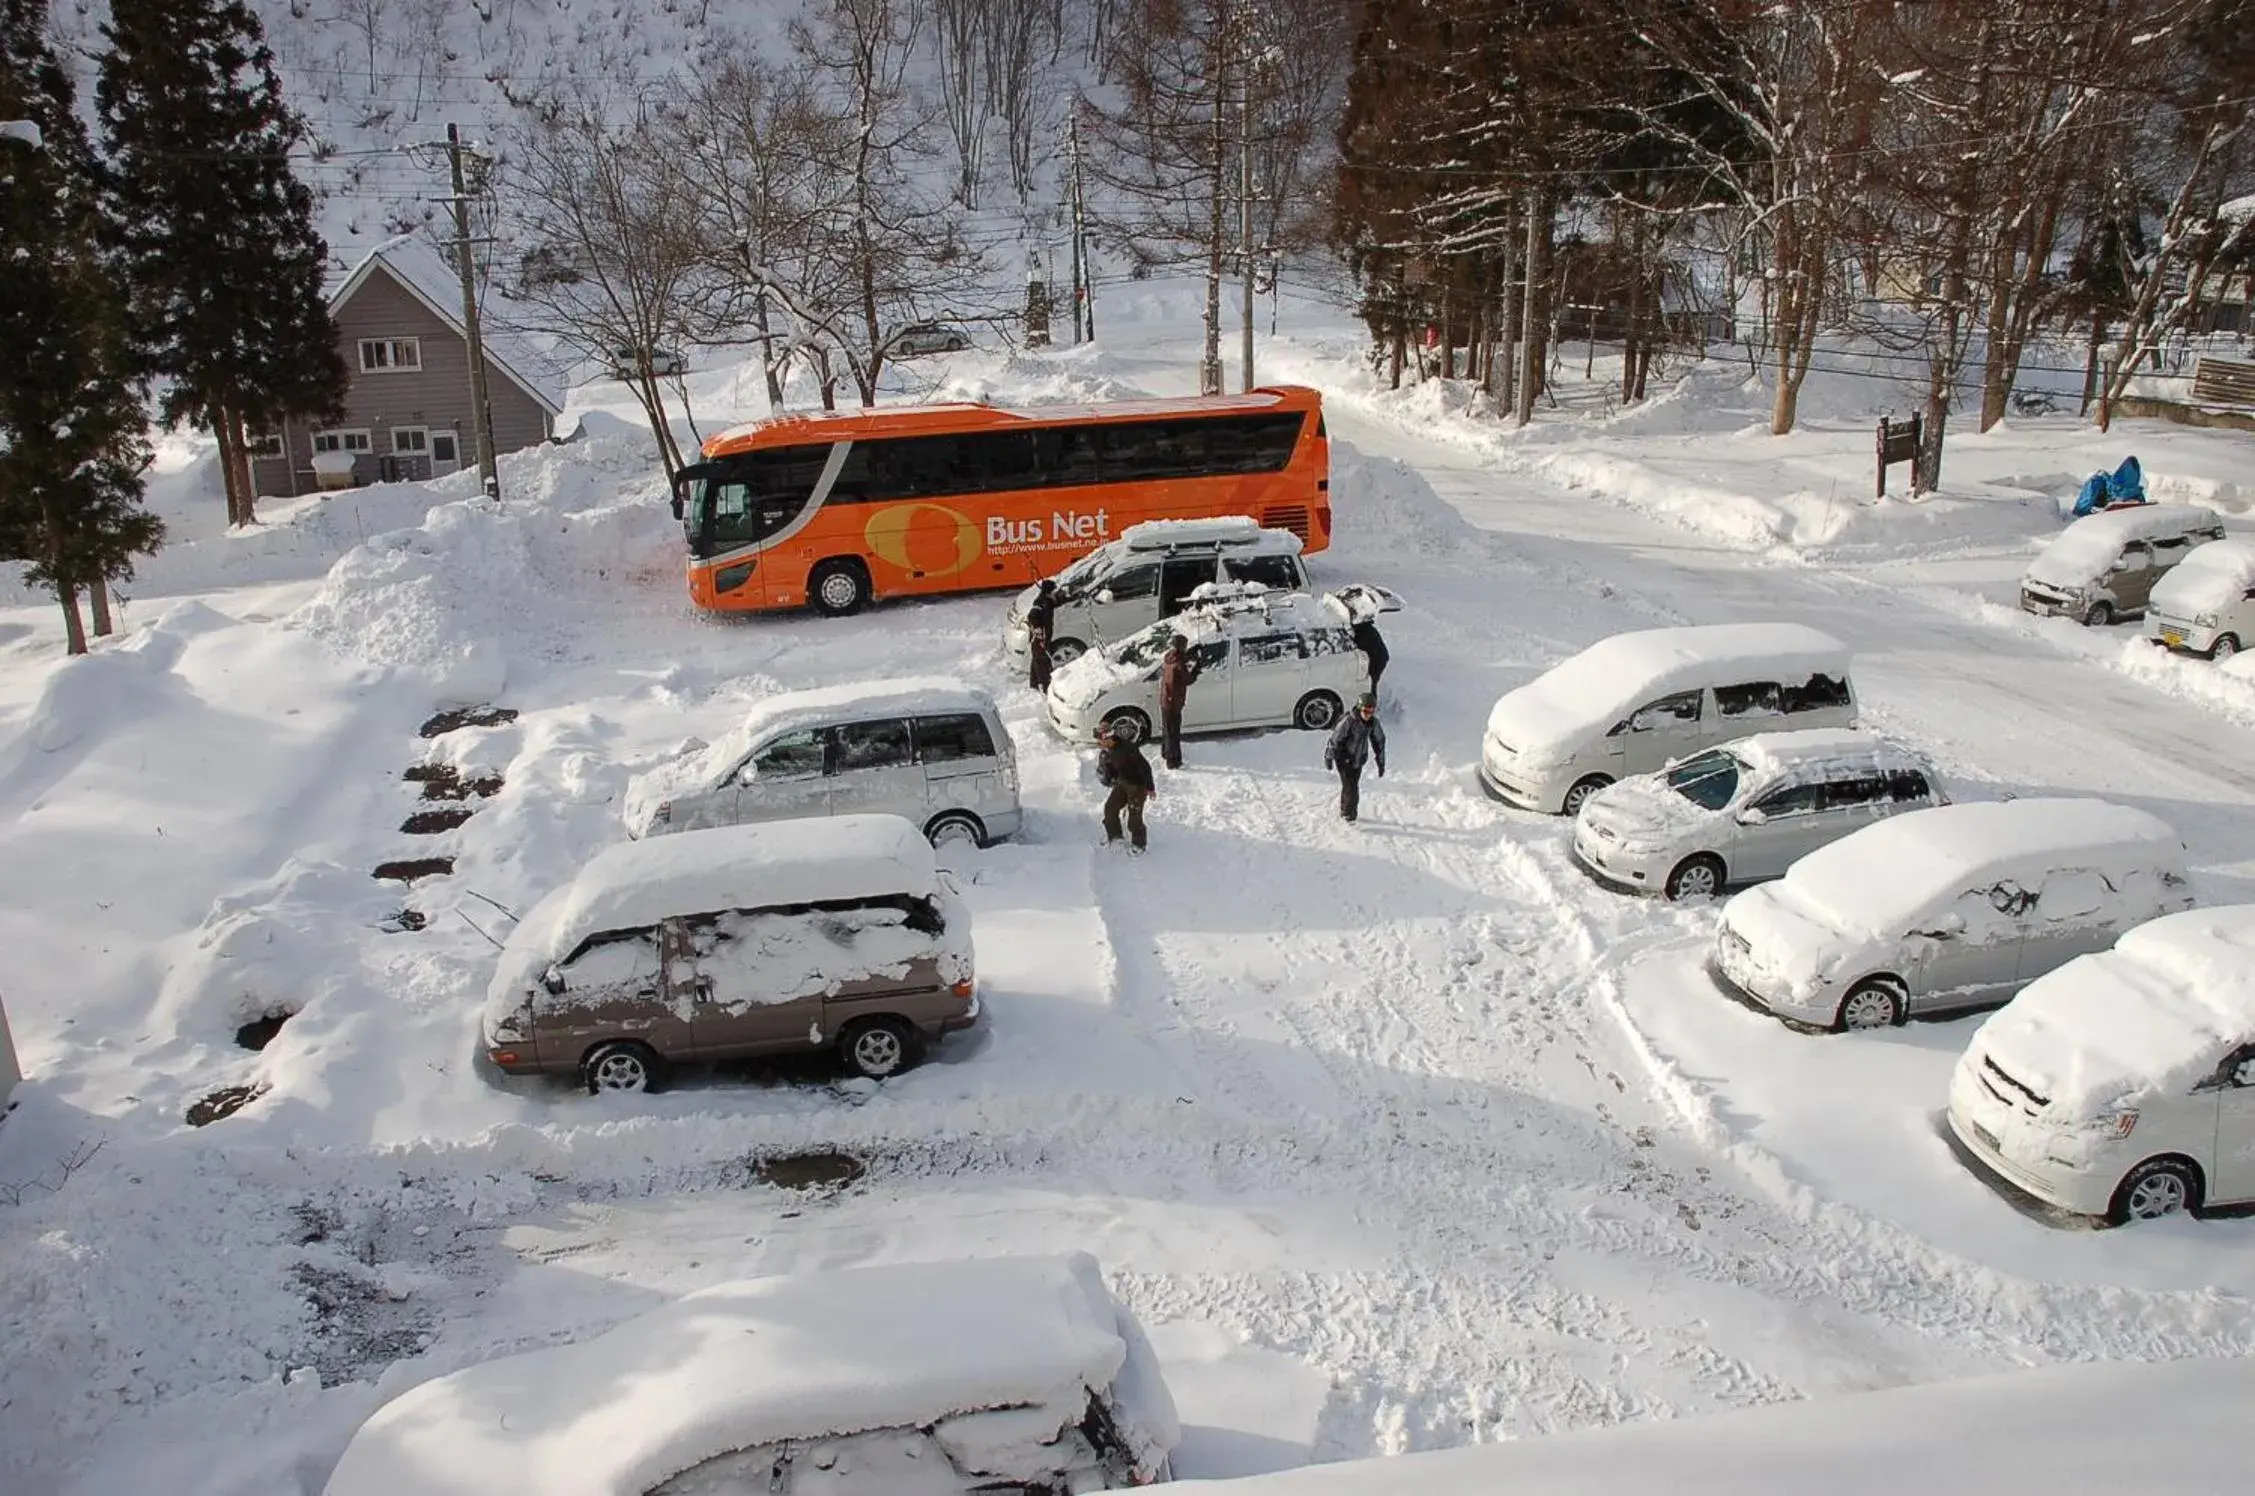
[
  {"x": 72, "y": 426},
  {"x": 222, "y": 262}
]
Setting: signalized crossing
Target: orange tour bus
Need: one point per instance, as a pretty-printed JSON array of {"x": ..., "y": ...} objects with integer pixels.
[{"x": 836, "y": 508}]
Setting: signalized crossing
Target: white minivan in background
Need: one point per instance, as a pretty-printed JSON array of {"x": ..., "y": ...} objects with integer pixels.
[
  {"x": 2123, "y": 1084},
  {"x": 1629, "y": 704},
  {"x": 1954, "y": 907},
  {"x": 933, "y": 751},
  {"x": 2207, "y": 605},
  {"x": 1153, "y": 571},
  {"x": 2104, "y": 566}
]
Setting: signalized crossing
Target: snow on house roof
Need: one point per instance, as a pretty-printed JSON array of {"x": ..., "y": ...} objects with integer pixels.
[
  {"x": 757, "y": 1362},
  {"x": 638, "y": 883},
  {"x": 2154, "y": 1015},
  {"x": 434, "y": 281},
  {"x": 1891, "y": 871},
  {"x": 2087, "y": 547},
  {"x": 787, "y": 710},
  {"x": 2218, "y": 572},
  {"x": 1590, "y": 691}
]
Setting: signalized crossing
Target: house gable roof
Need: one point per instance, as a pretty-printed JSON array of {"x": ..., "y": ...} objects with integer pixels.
[{"x": 424, "y": 275}]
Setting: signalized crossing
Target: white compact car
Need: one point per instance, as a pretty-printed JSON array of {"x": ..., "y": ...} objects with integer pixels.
[
  {"x": 1954, "y": 907},
  {"x": 1153, "y": 571},
  {"x": 2207, "y": 605},
  {"x": 1746, "y": 811},
  {"x": 1629, "y": 704},
  {"x": 2123, "y": 1084},
  {"x": 1265, "y": 659}
]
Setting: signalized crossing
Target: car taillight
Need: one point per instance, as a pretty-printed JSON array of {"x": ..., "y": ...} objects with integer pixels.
[
  {"x": 965, "y": 987},
  {"x": 504, "y": 1056}
]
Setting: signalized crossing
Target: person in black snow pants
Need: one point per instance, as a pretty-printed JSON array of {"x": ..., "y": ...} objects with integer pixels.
[
  {"x": 1354, "y": 742},
  {"x": 1177, "y": 673},
  {"x": 1373, "y": 650},
  {"x": 1041, "y": 618},
  {"x": 1122, "y": 768}
]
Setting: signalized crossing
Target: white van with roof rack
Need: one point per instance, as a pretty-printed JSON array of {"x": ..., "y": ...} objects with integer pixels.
[
  {"x": 933, "y": 751},
  {"x": 1629, "y": 704},
  {"x": 2123, "y": 1084},
  {"x": 1153, "y": 571}
]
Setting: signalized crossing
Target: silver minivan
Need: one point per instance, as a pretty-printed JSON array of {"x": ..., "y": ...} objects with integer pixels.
[
  {"x": 932, "y": 751},
  {"x": 1153, "y": 571},
  {"x": 2103, "y": 566}
]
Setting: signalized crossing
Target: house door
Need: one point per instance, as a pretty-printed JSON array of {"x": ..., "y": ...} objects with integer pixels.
[{"x": 446, "y": 453}]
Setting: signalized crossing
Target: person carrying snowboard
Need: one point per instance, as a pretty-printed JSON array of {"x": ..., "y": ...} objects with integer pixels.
[
  {"x": 1354, "y": 742},
  {"x": 1122, "y": 768},
  {"x": 1373, "y": 650},
  {"x": 1041, "y": 618}
]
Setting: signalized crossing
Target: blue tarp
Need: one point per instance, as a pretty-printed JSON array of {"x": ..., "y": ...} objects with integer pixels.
[{"x": 2125, "y": 485}]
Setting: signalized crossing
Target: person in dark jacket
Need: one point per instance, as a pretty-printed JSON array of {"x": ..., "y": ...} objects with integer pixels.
[
  {"x": 1122, "y": 768},
  {"x": 1373, "y": 650},
  {"x": 1354, "y": 742},
  {"x": 1041, "y": 619},
  {"x": 1177, "y": 671}
]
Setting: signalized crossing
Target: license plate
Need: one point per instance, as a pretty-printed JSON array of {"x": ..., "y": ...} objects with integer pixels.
[
  {"x": 2174, "y": 638},
  {"x": 1988, "y": 1139}
]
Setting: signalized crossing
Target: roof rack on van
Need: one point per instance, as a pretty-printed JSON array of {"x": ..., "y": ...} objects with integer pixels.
[{"x": 1167, "y": 534}]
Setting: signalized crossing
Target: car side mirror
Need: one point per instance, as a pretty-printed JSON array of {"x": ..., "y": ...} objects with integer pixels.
[
  {"x": 1948, "y": 927},
  {"x": 552, "y": 979},
  {"x": 1104, "y": 594},
  {"x": 747, "y": 774},
  {"x": 1753, "y": 815}
]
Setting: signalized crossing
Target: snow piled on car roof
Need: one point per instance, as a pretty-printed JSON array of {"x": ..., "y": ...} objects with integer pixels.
[
  {"x": 760, "y": 1361},
  {"x": 699, "y": 872},
  {"x": 2216, "y": 573},
  {"x": 2086, "y": 548},
  {"x": 2153, "y": 1016},
  {"x": 1771, "y": 753}
]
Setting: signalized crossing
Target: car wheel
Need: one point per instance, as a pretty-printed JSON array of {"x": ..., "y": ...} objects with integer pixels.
[
  {"x": 1065, "y": 651},
  {"x": 878, "y": 1047},
  {"x": 1317, "y": 710},
  {"x": 1129, "y": 725},
  {"x": 2225, "y": 647},
  {"x": 1582, "y": 790},
  {"x": 2157, "y": 1188},
  {"x": 1876, "y": 1003},
  {"x": 2098, "y": 615},
  {"x": 1696, "y": 877},
  {"x": 838, "y": 588},
  {"x": 624, "y": 1066},
  {"x": 956, "y": 828}
]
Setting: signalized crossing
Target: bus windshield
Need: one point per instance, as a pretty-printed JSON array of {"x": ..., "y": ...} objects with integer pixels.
[{"x": 743, "y": 501}]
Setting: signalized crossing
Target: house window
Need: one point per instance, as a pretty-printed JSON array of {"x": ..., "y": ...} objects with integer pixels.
[
  {"x": 342, "y": 441},
  {"x": 267, "y": 444},
  {"x": 415, "y": 440},
  {"x": 390, "y": 355}
]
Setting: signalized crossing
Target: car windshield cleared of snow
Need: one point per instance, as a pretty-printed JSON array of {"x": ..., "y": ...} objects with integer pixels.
[
  {"x": 1146, "y": 648},
  {"x": 1707, "y": 780}
]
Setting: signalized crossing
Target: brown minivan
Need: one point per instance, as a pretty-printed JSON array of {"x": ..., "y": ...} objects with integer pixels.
[{"x": 786, "y": 937}]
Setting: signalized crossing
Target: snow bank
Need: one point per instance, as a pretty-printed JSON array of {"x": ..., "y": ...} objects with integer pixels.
[
  {"x": 772, "y": 1359},
  {"x": 1593, "y": 690},
  {"x": 2153, "y": 1016},
  {"x": 637, "y": 884},
  {"x": 2213, "y": 576},
  {"x": 2086, "y": 548}
]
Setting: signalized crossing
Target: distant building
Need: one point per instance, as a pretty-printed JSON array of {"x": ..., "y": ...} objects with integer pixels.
[{"x": 407, "y": 414}]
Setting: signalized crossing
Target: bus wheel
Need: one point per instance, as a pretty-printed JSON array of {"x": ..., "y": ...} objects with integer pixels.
[{"x": 838, "y": 588}]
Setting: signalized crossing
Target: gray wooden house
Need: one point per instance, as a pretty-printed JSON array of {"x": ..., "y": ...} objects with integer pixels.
[{"x": 407, "y": 417}]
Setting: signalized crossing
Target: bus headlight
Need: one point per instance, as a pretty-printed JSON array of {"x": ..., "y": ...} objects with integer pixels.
[{"x": 729, "y": 578}]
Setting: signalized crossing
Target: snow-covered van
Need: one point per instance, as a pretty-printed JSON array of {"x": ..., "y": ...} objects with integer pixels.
[
  {"x": 1954, "y": 907},
  {"x": 1629, "y": 704},
  {"x": 934, "y": 751},
  {"x": 2123, "y": 1084},
  {"x": 1018, "y": 1374},
  {"x": 1151, "y": 572},
  {"x": 736, "y": 942},
  {"x": 1747, "y": 810},
  {"x": 2207, "y": 605},
  {"x": 2103, "y": 566},
  {"x": 1266, "y": 659}
]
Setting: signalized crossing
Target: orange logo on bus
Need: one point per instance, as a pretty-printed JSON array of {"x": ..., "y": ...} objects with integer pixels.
[{"x": 931, "y": 548}]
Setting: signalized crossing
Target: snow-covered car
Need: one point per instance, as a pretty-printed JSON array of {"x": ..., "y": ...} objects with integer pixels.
[
  {"x": 789, "y": 937},
  {"x": 1954, "y": 907},
  {"x": 2207, "y": 605},
  {"x": 1153, "y": 571},
  {"x": 1746, "y": 811},
  {"x": 2103, "y": 566},
  {"x": 927, "y": 338},
  {"x": 934, "y": 751},
  {"x": 1018, "y": 1374},
  {"x": 1629, "y": 704},
  {"x": 1265, "y": 659},
  {"x": 2123, "y": 1084}
]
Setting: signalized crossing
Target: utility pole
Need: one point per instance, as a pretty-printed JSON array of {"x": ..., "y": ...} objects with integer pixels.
[
  {"x": 1245, "y": 200},
  {"x": 1084, "y": 298},
  {"x": 481, "y": 409}
]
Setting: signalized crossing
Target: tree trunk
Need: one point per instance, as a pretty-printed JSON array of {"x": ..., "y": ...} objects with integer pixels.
[
  {"x": 1507, "y": 394},
  {"x": 100, "y": 593},
  {"x": 223, "y": 432},
  {"x": 74, "y": 627},
  {"x": 1209, "y": 368},
  {"x": 1530, "y": 315},
  {"x": 1448, "y": 338},
  {"x": 769, "y": 363},
  {"x": 1395, "y": 355},
  {"x": 2090, "y": 363}
]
